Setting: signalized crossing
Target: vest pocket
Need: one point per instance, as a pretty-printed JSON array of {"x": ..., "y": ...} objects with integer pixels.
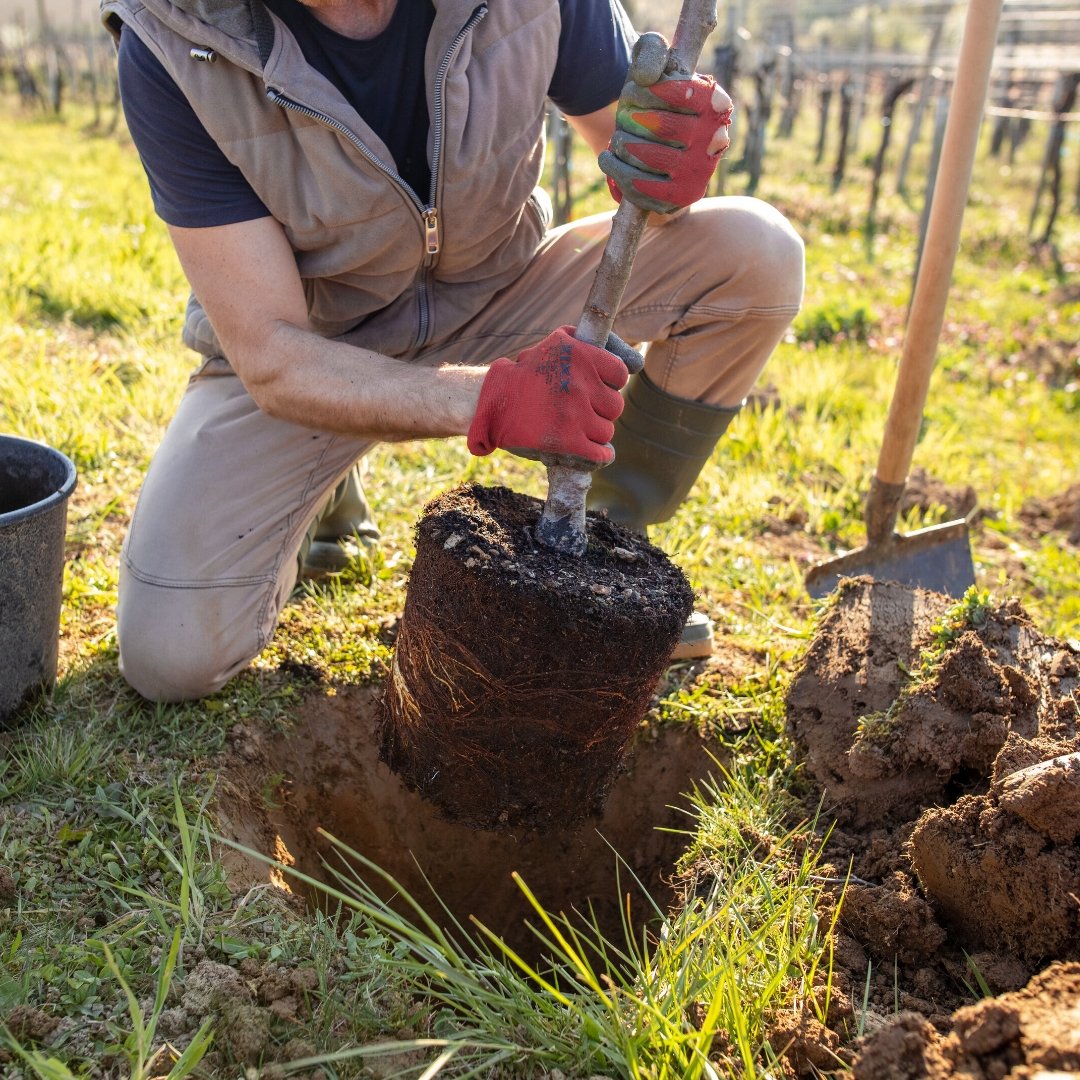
[{"x": 540, "y": 204}]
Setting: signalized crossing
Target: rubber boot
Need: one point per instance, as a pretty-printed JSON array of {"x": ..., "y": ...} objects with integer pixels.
[
  {"x": 342, "y": 527},
  {"x": 661, "y": 444}
]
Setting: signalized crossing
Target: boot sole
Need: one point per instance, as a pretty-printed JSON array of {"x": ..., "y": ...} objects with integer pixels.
[{"x": 696, "y": 641}]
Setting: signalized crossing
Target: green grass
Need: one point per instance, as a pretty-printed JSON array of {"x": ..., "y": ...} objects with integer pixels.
[
  {"x": 115, "y": 893},
  {"x": 747, "y": 943}
]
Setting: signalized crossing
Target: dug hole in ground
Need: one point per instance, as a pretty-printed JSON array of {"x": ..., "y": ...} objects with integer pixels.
[
  {"x": 508, "y": 737},
  {"x": 941, "y": 744}
]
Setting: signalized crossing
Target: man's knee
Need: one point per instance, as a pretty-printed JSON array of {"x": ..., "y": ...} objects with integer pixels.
[
  {"x": 159, "y": 670},
  {"x": 178, "y": 644},
  {"x": 769, "y": 254}
]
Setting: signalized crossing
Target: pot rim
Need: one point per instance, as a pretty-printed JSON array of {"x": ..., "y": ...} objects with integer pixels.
[{"x": 13, "y": 517}]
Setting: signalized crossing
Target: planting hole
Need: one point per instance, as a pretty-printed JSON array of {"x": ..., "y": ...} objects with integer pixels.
[{"x": 325, "y": 774}]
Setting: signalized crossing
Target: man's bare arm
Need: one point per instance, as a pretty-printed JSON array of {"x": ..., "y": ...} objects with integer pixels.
[
  {"x": 595, "y": 128},
  {"x": 245, "y": 276}
]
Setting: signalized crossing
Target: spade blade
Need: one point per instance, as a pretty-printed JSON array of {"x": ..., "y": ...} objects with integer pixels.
[{"x": 937, "y": 558}]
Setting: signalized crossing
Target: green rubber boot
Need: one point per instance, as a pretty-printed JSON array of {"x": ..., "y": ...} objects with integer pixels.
[
  {"x": 342, "y": 528},
  {"x": 661, "y": 444}
]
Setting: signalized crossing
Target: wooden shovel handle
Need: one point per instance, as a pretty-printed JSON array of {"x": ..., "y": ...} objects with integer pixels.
[
  {"x": 939, "y": 255},
  {"x": 562, "y": 524}
]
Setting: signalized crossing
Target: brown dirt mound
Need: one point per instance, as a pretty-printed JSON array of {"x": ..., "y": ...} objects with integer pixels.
[
  {"x": 996, "y": 881},
  {"x": 883, "y": 745},
  {"x": 1059, "y": 513},
  {"x": 954, "y": 788},
  {"x": 854, "y": 668},
  {"x": 926, "y": 493},
  {"x": 1033, "y": 1034}
]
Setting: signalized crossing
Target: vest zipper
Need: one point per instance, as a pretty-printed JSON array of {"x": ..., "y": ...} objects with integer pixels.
[
  {"x": 429, "y": 214},
  {"x": 431, "y": 232}
]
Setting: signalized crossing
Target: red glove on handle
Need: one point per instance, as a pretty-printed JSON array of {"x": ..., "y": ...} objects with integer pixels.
[
  {"x": 667, "y": 142},
  {"x": 560, "y": 397}
]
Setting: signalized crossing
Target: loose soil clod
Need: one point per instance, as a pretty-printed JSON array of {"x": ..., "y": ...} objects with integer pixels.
[
  {"x": 997, "y": 882},
  {"x": 519, "y": 674},
  {"x": 1059, "y": 513},
  {"x": 1047, "y": 796},
  {"x": 1031, "y": 1034}
]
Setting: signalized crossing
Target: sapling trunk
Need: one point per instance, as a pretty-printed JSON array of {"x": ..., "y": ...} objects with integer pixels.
[{"x": 562, "y": 523}]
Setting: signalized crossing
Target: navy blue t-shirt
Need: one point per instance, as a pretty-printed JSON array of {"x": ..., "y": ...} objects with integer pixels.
[{"x": 193, "y": 183}]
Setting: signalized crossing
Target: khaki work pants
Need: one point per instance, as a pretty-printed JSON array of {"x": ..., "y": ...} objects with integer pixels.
[{"x": 211, "y": 555}]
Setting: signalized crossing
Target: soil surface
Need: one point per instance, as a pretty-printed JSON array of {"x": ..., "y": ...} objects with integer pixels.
[
  {"x": 925, "y": 493},
  {"x": 1032, "y": 1034},
  {"x": 950, "y": 794},
  {"x": 1059, "y": 513},
  {"x": 953, "y": 784},
  {"x": 520, "y": 674}
]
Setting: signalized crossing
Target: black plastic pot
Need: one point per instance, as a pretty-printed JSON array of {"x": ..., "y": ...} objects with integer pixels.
[{"x": 35, "y": 483}]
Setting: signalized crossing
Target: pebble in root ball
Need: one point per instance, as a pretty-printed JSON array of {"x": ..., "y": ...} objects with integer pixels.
[{"x": 519, "y": 674}]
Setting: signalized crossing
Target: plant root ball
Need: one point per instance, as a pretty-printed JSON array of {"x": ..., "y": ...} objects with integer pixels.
[{"x": 519, "y": 675}]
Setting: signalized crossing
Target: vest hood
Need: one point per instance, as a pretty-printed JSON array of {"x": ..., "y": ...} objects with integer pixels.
[{"x": 234, "y": 17}]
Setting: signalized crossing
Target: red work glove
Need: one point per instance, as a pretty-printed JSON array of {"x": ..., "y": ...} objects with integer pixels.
[
  {"x": 668, "y": 139},
  {"x": 558, "y": 398}
]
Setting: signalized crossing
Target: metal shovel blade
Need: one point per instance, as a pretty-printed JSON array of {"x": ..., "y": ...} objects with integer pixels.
[{"x": 937, "y": 558}]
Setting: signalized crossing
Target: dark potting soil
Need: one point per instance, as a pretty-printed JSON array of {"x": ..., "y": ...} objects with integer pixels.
[
  {"x": 488, "y": 535},
  {"x": 520, "y": 674}
]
